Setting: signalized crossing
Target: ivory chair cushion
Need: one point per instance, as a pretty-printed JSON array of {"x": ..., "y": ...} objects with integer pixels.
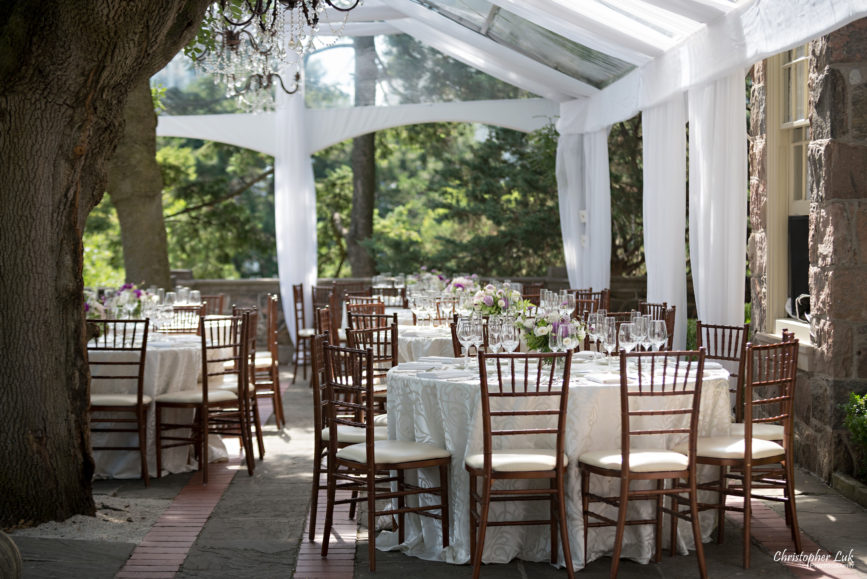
[
  {"x": 393, "y": 451},
  {"x": 228, "y": 382},
  {"x": 306, "y": 333},
  {"x": 517, "y": 460},
  {"x": 640, "y": 460},
  {"x": 118, "y": 399},
  {"x": 380, "y": 420},
  {"x": 733, "y": 447},
  {"x": 194, "y": 396},
  {"x": 354, "y": 434},
  {"x": 761, "y": 430}
]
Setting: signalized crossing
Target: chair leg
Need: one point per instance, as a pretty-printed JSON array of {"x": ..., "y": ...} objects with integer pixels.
[
  {"x": 553, "y": 523},
  {"x": 660, "y": 485},
  {"x": 585, "y": 505},
  {"x": 295, "y": 361},
  {"x": 621, "y": 525},
  {"x": 203, "y": 443},
  {"x": 371, "y": 517},
  {"x": 329, "y": 507},
  {"x": 444, "y": 503},
  {"x": 748, "y": 512},
  {"x": 257, "y": 424},
  {"x": 474, "y": 514},
  {"x": 401, "y": 503},
  {"x": 279, "y": 418},
  {"x": 675, "y": 507},
  {"x": 158, "y": 440},
  {"x": 141, "y": 417},
  {"x": 307, "y": 343},
  {"x": 314, "y": 494},
  {"x": 487, "y": 483},
  {"x": 564, "y": 533},
  {"x": 791, "y": 509},
  {"x": 696, "y": 528},
  {"x": 721, "y": 504}
]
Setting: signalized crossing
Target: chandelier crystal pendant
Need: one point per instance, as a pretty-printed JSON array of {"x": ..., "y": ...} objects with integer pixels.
[{"x": 247, "y": 44}]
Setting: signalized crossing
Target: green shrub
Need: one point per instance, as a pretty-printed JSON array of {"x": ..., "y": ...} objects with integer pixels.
[{"x": 856, "y": 422}]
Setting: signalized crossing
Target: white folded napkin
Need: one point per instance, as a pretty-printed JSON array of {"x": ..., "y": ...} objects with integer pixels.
[
  {"x": 709, "y": 365},
  {"x": 603, "y": 378},
  {"x": 447, "y": 374},
  {"x": 416, "y": 366},
  {"x": 583, "y": 355},
  {"x": 440, "y": 360}
]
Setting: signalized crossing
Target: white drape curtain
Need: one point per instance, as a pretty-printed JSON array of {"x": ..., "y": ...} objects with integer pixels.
[
  {"x": 664, "y": 139},
  {"x": 718, "y": 198},
  {"x": 584, "y": 192},
  {"x": 294, "y": 206}
]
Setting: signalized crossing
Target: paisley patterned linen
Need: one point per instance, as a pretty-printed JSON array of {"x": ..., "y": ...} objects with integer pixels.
[{"x": 446, "y": 412}]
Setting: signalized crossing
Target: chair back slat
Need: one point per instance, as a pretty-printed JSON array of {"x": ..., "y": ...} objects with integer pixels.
[
  {"x": 673, "y": 376},
  {"x": 655, "y": 310},
  {"x": 391, "y": 296},
  {"x": 524, "y": 395},
  {"x": 381, "y": 343},
  {"x": 214, "y": 304},
  {"x": 185, "y": 320},
  {"x": 770, "y": 376},
  {"x": 365, "y": 321},
  {"x": 364, "y": 308},
  {"x": 348, "y": 390},
  {"x": 129, "y": 338},
  {"x": 602, "y": 298}
]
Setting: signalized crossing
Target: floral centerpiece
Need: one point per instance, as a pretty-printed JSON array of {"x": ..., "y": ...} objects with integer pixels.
[
  {"x": 537, "y": 331},
  {"x": 94, "y": 309},
  {"x": 493, "y": 301},
  {"x": 126, "y": 301},
  {"x": 462, "y": 284}
]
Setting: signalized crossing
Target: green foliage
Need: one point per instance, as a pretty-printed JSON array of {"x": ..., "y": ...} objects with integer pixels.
[
  {"x": 219, "y": 206},
  {"x": 856, "y": 422},
  {"x": 103, "y": 253},
  {"x": 691, "y": 339},
  {"x": 627, "y": 184}
]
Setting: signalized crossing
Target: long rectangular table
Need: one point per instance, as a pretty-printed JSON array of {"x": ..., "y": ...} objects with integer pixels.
[{"x": 444, "y": 409}]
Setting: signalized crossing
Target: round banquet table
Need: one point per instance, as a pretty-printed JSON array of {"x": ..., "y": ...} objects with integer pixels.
[
  {"x": 441, "y": 406},
  {"x": 414, "y": 342},
  {"x": 172, "y": 363}
]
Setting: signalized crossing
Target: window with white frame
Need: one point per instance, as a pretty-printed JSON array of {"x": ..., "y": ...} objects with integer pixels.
[{"x": 788, "y": 137}]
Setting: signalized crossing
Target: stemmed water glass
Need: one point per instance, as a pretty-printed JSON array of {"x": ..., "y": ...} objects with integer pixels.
[
  {"x": 477, "y": 335},
  {"x": 626, "y": 336},
  {"x": 464, "y": 332},
  {"x": 566, "y": 304},
  {"x": 639, "y": 330},
  {"x": 594, "y": 323},
  {"x": 509, "y": 336},
  {"x": 658, "y": 333},
  {"x": 495, "y": 324},
  {"x": 609, "y": 337}
]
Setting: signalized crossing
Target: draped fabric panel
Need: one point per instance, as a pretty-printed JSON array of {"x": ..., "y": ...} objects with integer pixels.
[
  {"x": 584, "y": 191},
  {"x": 294, "y": 207},
  {"x": 664, "y": 134},
  {"x": 569, "y": 170},
  {"x": 718, "y": 198},
  {"x": 597, "y": 183}
]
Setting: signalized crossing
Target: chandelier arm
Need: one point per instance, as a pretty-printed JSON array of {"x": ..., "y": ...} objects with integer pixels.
[
  {"x": 295, "y": 88},
  {"x": 341, "y": 8}
]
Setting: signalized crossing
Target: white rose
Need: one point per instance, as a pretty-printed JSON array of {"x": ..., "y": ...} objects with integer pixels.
[
  {"x": 528, "y": 323},
  {"x": 542, "y": 330},
  {"x": 567, "y": 342},
  {"x": 501, "y": 303},
  {"x": 553, "y": 317}
]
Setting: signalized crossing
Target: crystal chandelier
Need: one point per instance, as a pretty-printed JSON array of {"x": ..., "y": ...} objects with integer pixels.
[{"x": 246, "y": 44}]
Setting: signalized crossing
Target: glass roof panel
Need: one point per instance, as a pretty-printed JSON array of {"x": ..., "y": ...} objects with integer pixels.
[{"x": 507, "y": 29}]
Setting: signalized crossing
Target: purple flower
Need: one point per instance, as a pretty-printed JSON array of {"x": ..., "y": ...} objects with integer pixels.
[
  {"x": 137, "y": 294},
  {"x": 489, "y": 301},
  {"x": 86, "y": 307},
  {"x": 459, "y": 286}
]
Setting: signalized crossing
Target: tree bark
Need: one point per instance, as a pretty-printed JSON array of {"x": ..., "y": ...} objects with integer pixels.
[
  {"x": 135, "y": 185},
  {"x": 65, "y": 71},
  {"x": 361, "y": 262}
]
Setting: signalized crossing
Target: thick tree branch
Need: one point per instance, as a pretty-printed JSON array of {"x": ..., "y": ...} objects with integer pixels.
[{"x": 230, "y": 195}]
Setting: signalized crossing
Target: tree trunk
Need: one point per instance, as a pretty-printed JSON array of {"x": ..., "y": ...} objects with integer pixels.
[
  {"x": 361, "y": 262},
  {"x": 136, "y": 188},
  {"x": 65, "y": 71}
]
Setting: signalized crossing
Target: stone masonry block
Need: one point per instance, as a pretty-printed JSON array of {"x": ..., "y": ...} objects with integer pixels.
[
  {"x": 828, "y": 97},
  {"x": 831, "y": 235},
  {"x": 839, "y": 170},
  {"x": 848, "y": 44},
  {"x": 861, "y": 230},
  {"x": 834, "y": 355}
]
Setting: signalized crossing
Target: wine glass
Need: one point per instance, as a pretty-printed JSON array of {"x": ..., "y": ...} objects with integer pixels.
[
  {"x": 478, "y": 336},
  {"x": 171, "y": 299},
  {"x": 658, "y": 333},
  {"x": 594, "y": 324},
  {"x": 609, "y": 337},
  {"x": 626, "y": 336},
  {"x": 639, "y": 330},
  {"x": 566, "y": 305},
  {"x": 464, "y": 332},
  {"x": 509, "y": 336},
  {"x": 195, "y": 297},
  {"x": 646, "y": 343},
  {"x": 495, "y": 324}
]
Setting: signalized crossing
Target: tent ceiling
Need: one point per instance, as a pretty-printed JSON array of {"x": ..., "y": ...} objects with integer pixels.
[{"x": 559, "y": 49}]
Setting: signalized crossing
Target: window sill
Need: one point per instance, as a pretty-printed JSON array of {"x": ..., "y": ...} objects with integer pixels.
[{"x": 806, "y": 349}]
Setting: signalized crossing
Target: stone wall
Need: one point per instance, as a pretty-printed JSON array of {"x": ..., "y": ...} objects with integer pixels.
[
  {"x": 836, "y": 363},
  {"x": 837, "y": 159}
]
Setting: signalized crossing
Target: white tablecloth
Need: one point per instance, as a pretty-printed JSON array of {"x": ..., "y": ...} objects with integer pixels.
[
  {"x": 172, "y": 363},
  {"x": 414, "y": 342},
  {"x": 445, "y": 410}
]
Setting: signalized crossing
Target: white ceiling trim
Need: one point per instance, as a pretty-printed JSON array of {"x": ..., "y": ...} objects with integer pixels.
[
  {"x": 543, "y": 16},
  {"x": 368, "y": 28},
  {"x": 486, "y": 55},
  {"x": 698, "y": 10}
]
